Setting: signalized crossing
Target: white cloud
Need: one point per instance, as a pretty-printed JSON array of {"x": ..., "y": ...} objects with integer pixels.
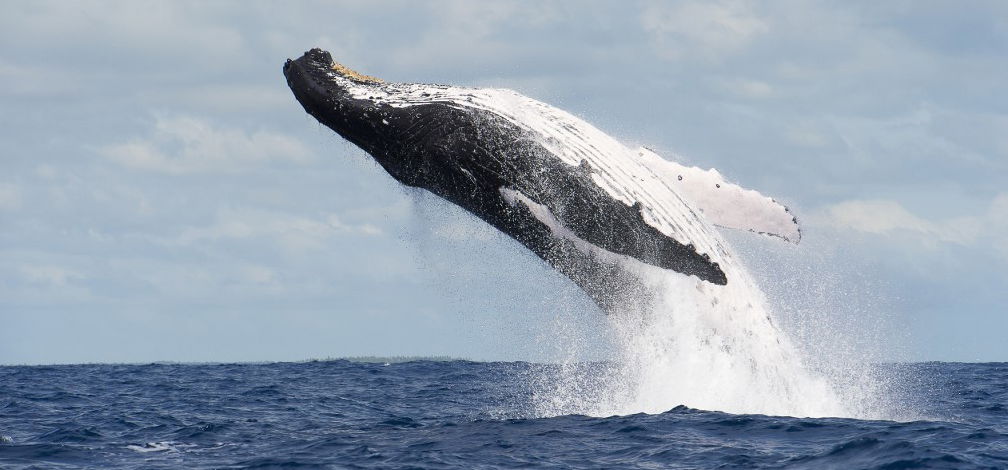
[
  {"x": 190, "y": 145},
  {"x": 470, "y": 33},
  {"x": 889, "y": 218},
  {"x": 259, "y": 275},
  {"x": 708, "y": 30},
  {"x": 10, "y": 197},
  {"x": 296, "y": 233},
  {"x": 748, "y": 88},
  {"x": 53, "y": 275},
  {"x": 805, "y": 135},
  {"x": 34, "y": 80},
  {"x": 233, "y": 97},
  {"x": 998, "y": 216},
  {"x": 156, "y": 29}
]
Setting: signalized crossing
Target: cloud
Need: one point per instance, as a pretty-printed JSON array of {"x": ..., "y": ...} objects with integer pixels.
[
  {"x": 890, "y": 219},
  {"x": 805, "y": 134},
  {"x": 259, "y": 274},
  {"x": 296, "y": 233},
  {"x": 149, "y": 32},
  {"x": 998, "y": 216},
  {"x": 708, "y": 30},
  {"x": 747, "y": 88},
  {"x": 34, "y": 81},
  {"x": 233, "y": 97},
  {"x": 190, "y": 145},
  {"x": 484, "y": 19},
  {"x": 52, "y": 275},
  {"x": 10, "y": 197},
  {"x": 479, "y": 35}
]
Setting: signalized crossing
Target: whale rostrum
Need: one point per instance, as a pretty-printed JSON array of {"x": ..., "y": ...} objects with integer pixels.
[{"x": 577, "y": 198}]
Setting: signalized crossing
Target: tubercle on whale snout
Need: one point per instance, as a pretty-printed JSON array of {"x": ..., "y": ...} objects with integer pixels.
[{"x": 324, "y": 62}]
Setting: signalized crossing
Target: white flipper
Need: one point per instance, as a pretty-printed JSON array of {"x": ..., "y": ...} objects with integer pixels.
[{"x": 724, "y": 204}]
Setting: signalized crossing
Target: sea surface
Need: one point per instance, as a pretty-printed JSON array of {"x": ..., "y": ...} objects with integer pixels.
[{"x": 454, "y": 414}]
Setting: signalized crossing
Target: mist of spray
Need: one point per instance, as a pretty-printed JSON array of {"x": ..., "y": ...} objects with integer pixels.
[{"x": 708, "y": 347}]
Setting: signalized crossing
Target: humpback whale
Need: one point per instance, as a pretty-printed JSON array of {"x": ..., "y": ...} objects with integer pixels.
[{"x": 583, "y": 202}]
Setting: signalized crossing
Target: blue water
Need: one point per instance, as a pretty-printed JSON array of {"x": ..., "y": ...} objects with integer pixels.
[{"x": 426, "y": 414}]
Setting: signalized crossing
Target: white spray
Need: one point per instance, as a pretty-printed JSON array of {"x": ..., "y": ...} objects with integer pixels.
[{"x": 704, "y": 346}]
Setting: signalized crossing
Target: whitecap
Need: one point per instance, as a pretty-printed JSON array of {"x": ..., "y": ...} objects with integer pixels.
[{"x": 163, "y": 446}]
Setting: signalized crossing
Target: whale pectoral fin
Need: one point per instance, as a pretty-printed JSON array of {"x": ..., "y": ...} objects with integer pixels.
[
  {"x": 608, "y": 229},
  {"x": 724, "y": 204}
]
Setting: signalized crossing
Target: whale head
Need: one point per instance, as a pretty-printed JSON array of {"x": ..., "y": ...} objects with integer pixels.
[
  {"x": 338, "y": 97},
  {"x": 318, "y": 81},
  {"x": 371, "y": 113}
]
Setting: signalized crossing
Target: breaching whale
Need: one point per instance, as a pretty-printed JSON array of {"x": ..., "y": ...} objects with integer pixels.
[{"x": 580, "y": 200}]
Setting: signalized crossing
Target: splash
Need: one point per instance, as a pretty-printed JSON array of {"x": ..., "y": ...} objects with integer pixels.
[
  {"x": 723, "y": 348},
  {"x": 699, "y": 345}
]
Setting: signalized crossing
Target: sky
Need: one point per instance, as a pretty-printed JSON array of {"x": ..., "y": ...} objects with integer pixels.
[{"x": 164, "y": 198}]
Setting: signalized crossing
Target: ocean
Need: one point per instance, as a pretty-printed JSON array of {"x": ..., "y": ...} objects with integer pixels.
[{"x": 459, "y": 414}]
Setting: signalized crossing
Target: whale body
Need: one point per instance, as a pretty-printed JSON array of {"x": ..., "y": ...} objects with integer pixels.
[{"x": 580, "y": 200}]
